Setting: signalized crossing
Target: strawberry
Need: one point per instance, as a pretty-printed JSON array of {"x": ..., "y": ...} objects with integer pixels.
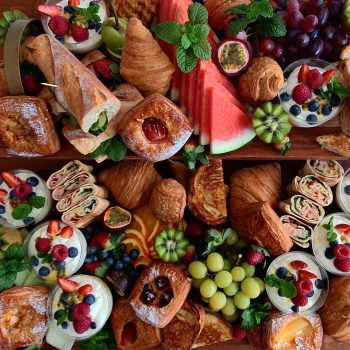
[
  {"x": 189, "y": 255},
  {"x": 50, "y": 10},
  {"x": 85, "y": 289},
  {"x": 343, "y": 229},
  {"x": 255, "y": 257},
  {"x": 314, "y": 79},
  {"x": 103, "y": 240},
  {"x": 43, "y": 245},
  {"x": 300, "y": 300},
  {"x": 10, "y": 179},
  {"x": 103, "y": 68},
  {"x": 342, "y": 264},
  {"x": 92, "y": 267},
  {"x": 31, "y": 84},
  {"x": 303, "y": 286},
  {"x": 80, "y": 311},
  {"x": 238, "y": 333},
  {"x": 53, "y": 227},
  {"x": 79, "y": 34},
  {"x": 67, "y": 232},
  {"x": 67, "y": 285},
  {"x": 60, "y": 252},
  {"x": 306, "y": 274},
  {"x": 93, "y": 242},
  {"x": 301, "y": 93},
  {"x": 3, "y": 194},
  {"x": 341, "y": 251},
  {"x": 129, "y": 334},
  {"x": 303, "y": 72},
  {"x": 299, "y": 265},
  {"x": 328, "y": 75},
  {"x": 59, "y": 25},
  {"x": 73, "y": 2},
  {"x": 195, "y": 229},
  {"x": 192, "y": 153},
  {"x": 81, "y": 326}
]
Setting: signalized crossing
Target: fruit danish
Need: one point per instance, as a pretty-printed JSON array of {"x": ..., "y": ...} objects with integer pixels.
[
  {"x": 159, "y": 293},
  {"x": 155, "y": 129}
]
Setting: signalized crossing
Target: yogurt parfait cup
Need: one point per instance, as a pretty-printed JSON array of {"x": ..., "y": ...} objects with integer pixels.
[
  {"x": 308, "y": 276},
  {"x": 58, "y": 250},
  {"x": 24, "y": 198},
  {"x": 331, "y": 243},
  {"x": 93, "y": 28},
  {"x": 343, "y": 193},
  {"x": 79, "y": 307},
  {"x": 317, "y": 109}
]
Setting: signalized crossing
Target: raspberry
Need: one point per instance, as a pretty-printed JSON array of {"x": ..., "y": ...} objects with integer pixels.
[
  {"x": 238, "y": 333},
  {"x": 301, "y": 93},
  {"x": 23, "y": 190},
  {"x": 43, "y": 245},
  {"x": 102, "y": 68},
  {"x": 80, "y": 311},
  {"x": 60, "y": 252},
  {"x": 79, "y": 34},
  {"x": 59, "y": 25},
  {"x": 300, "y": 300},
  {"x": 31, "y": 84},
  {"x": 341, "y": 251},
  {"x": 342, "y": 264},
  {"x": 81, "y": 326},
  {"x": 304, "y": 286},
  {"x": 314, "y": 79}
]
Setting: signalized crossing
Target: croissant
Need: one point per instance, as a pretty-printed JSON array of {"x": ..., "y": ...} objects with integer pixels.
[
  {"x": 143, "y": 62},
  {"x": 262, "y": 81}
]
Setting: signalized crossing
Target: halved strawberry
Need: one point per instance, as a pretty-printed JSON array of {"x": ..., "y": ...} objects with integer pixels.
[
  {"x": 53, "y": 227},
  {"x": 50, "y": 10},
  {"x": 327, "y": 76},
  {"x": 67, "y": 285},
  {"x": 343, "y": 229},
  {"x": 67, "y": 232},
  {"x": 3, "y": 194},
  {"x": 303, "y": 72},
  {"x": 306, "y": 274},
  {"x": 189, "y": 255},
  {"x": 74, "y": 2},
  {"x": 85, "y": 290},
  {"x": 10, "y": 179},
  {"x": 299, "y": 265}
]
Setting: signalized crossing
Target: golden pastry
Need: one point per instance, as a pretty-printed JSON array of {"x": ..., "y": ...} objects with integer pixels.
[
  {"x": 25, "y": 53},
  {"x": 337, "y": 143},
  {"x": 168, "y": 201},
  {"x": 262, "y": 81}
]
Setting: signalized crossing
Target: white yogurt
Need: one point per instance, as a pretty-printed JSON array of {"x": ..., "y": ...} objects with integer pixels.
[
  {"x": 285, "y": 304},
  {"x": 320, "y": 243},
  {"x": 343, "y": 199}
]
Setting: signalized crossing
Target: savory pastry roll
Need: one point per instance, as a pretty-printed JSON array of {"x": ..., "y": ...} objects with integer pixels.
[
  {"x": 303, "y": 208},
  {"x": 80, "y": 194},
  {"x": 69, "y": 170},
  {"x": 72, "y": 184},
  {"x": 328, "y": 171},
  {"x": 311, "y": 187},
  {"x": 299, "y": 232},
  {"x": 85, "y": 212}
]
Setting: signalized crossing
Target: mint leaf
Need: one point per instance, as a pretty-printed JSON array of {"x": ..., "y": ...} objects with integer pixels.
[
  {"x": 11, "y": 265},
  {"x": 185, "y": 42},
  {"x": 48, "y": 258},
  {"x": 114, "y": 148},
  {"x": 26, "y": 264},
  {"x": 248, "y": 319},
  {"x": 273, "y": 26},
  {"x": 2, "y": 268},
  {"x": 171, "y": 32},
  {"x": 288, "y": 289},
  {"x": 21, "y": 211},
  {"x": 238, "y": 25},
  {"x": 200, "y": 31},
  {"x": 103, "y": 340},
  {"x": 7, "y": 280},
  {"x": 15, "y": 251},
  {"x": 186, "y": 59},
  {"x": 255, "y": 314},
  {"x": 239, "y": 10},
  {"x": 331, "y": 236},
  {"x": 261, "y": 8},
  {"x": 37, "y": 201},
  {"x": 73, "y": 120},
  {"x": 202, "y": 50},
  {"x": 102, "y": 270},
  {"x": 197, "y": 14},
  {"x": 272, "y": 281},
  {"x": 61, "y": 316}
]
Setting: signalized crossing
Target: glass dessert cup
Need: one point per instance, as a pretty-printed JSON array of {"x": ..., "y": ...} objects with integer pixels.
[
  {"x": 343, "y": 193},
  {"x": 93, "y": 42},
  {"x": 291, "y": 80},
  {"x": 319, "y": 296},
  {"x": 100, "y": 311},
  {"x": 320, "y": 242}
]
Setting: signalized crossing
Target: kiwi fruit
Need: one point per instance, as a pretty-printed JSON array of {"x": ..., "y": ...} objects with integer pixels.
[
  {"x": 171, "y": 245},
  {"x": 346, "y": 15},
  {"x": 8, "y": 18},
  {"x": 271, "y": 122}
]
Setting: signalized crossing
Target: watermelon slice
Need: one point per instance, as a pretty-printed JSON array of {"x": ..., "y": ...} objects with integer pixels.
[
  {"x": 230, "y": 127},
  {"x": 175, "y": 85},
  {"x": 191, "y": 81},
  {"x": 183, "y": 93}
]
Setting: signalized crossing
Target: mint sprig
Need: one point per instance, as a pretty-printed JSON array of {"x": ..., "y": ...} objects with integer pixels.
[
  {"x": 190, "y": 38},
  {"x": 331, "y": 234},
  {"x": 287, "y": 288},
  {"x": 23, "y": 210},
  {"x": 255, "y": 314},
  {"x": 103, "y": 340},
  {"x": 216, "y": 238},
  {"x": 90, "y": 13}
]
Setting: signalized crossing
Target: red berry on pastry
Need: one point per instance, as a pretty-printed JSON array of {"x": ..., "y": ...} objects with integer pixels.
[
  {"x": 341, "y": 251},
  {"x": 301, "y": 93},
  {"x": 238, "y": 333},
  {"x": 303, "y": 72},
  {"x": 23, "y": 190},
  {"x": 67, "y": 232},
  {"x": 102, "y": 68},
  {"x": 31, "y": 84},
  {"x": 59, "y": 25},
  {"x": 306, "y": 274},
  {"x": 342, "y": 264},
  {"x": 43, "y": 245},
  {"x": 85, "y": 290},
  {"x": 154, "y": 129},
  {"x": 81, "y": 326},
  {"x": 129, "y": 334},
  {"x": 79, "y": 34},
  {"x": 314, "y": 79},
  {"x": 300, "y": 300},
  {"x": 255, "y": 257},
  {"x": 50, "y": 10},
  {"x": 53, "y": 227},
  {"x": 60, "y": 252},
  {"x": 67, "y": 285},
  {"x": 304, "y": 286},
  {"x": 81, "y": 311},
  {"x": 299, "y": 265}
]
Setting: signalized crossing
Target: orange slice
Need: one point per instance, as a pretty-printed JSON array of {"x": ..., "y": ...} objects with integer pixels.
[
  {"x": 135, "y": 242},
  {"x": 140, "y": 221},
  {"x": 139, "y": 236},
  {"x": 154, "y": 232},
  {"x": 141, "y": 261}
]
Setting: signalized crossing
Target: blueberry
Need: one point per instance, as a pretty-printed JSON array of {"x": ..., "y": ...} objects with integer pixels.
[
  {"x": 109, "y": 261},
  {"x": 326, "y": 110},
  {"x": 285, "y": 97},
  {"x": 88, "y": 235},
  {"x": 295, "y": 110},
  {"x": 118, "y": 265},
  {"x": 126, "y": 259},
  {"x": 311, "y": 118},
  {"x": 317, "y": 92},
  {"x": 94, "y": 258},
  {"x": 333, "y": 243},
  {"x": 314, "y": 35},
  {"x": 91, "y": 250},
  {"x": 64, "y": 297},
  {"x": 93, "y": 325},
  {"x": 311, "y": 294},
  {"x": 89, "y": 259},
  {"x": 68, "y": 9},
  {"x": 334, "y": 100},
  {"x": 89, "y": 229},
  {"x": 313, "y": 105},
  {"x": 122, "y": 246},
  {"x": 347, "y": 190},
  {"x": 89, "y": 299},
  {"x": 2, "y": 209},
  {"x": 329, "y": 253},
  {"x": 93, "y": 3},
  {"x": 103, "y": 255},
  {"x": 28, "y": 220},
  {"x": 291, "y": 278},
  {"x": 133, "y": 254},
  {"x": 320, "y": 284},
  {"x": 73, "y": 252},
  {"x": 91, "y": 24},
  {"x": 44, "y": 271},
  {"x": 295, "y": 308},
  {"x": 64, "y": 325},
  {"x": 60, "y": 38},
  {"x": 282, "y": 272},
  {"x": 60, "y": 264},
  {"x": 32, "y": 181},
  {"x": 98, "y": 27},
  {"x": 35, "y": 261}
]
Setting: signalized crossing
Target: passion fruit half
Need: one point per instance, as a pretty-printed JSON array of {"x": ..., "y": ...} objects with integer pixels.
[
  {"x": 116, "y": 218},
  {"x": 233, "y": 56}
]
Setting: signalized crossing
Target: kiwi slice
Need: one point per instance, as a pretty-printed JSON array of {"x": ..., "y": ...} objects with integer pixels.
[
  {"x": 8, "y": 18},
  {"x": 271, "y": 122},
  {"x": 171, "y": 245}
]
